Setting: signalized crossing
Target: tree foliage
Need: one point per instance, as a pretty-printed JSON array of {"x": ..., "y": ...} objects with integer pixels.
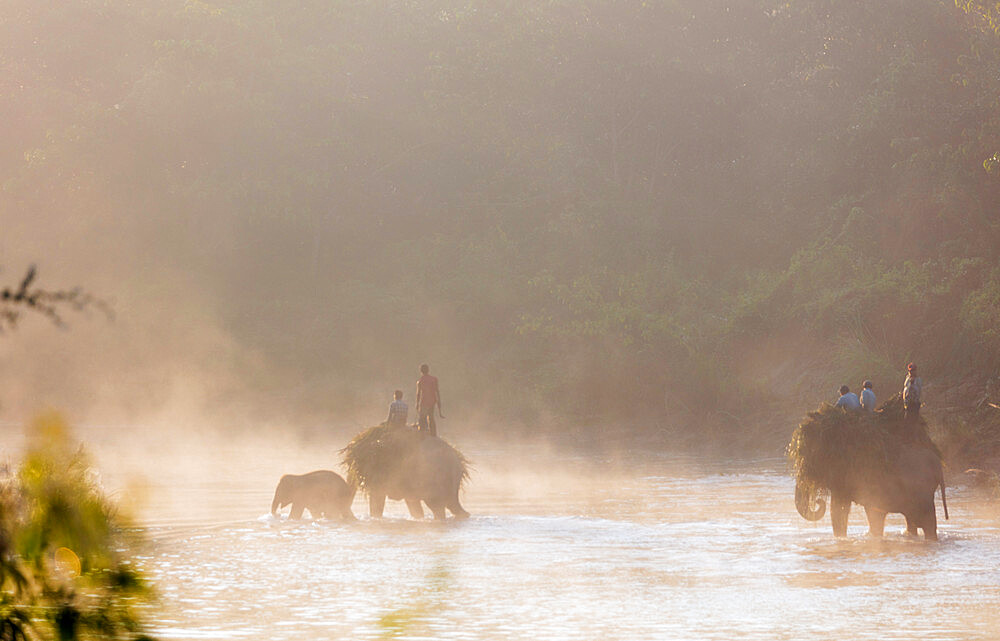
[{"x": 609, "y": 208}]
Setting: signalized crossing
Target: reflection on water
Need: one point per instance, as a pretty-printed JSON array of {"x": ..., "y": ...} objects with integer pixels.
[{"x": 675, "y": 550}]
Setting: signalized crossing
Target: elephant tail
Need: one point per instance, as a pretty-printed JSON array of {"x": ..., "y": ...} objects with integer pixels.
[{"x": 944, "y": 501}]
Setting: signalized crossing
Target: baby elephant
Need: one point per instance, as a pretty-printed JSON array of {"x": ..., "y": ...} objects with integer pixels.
[{"x": 323, "y": 493}]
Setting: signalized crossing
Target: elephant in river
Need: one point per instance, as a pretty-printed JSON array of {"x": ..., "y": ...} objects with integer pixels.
[
  {"x": 403, "y": 464},
  {"x": 323, "y": 493},
  {"x": 906, "y": 485}
]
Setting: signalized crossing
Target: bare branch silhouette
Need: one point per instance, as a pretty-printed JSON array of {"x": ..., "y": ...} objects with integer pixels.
[{"x": 26, "y": 298}]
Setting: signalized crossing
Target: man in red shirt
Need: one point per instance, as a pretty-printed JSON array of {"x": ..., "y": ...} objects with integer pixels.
[{"x": 428, "y": 395}]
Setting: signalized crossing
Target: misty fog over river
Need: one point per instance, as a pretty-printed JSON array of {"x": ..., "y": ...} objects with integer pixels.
[
  {"x": 230, "y": 230},
  {"x": 561, "y": 545}
]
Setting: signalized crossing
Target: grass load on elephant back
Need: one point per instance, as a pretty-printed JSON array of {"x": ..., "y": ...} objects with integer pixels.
[
  {"x": 832, "y": 444},
  {"x": 374, "y": 452}
]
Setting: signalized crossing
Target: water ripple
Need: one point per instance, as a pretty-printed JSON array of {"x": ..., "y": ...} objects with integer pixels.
[{"x": 706, "y": 555}]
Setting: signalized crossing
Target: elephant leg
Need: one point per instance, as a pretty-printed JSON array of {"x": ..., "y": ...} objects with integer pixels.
[
  {"x": 376, "y": 505},
  {"x": 911, "y": 526},
  {"x": 437, "y": 507},
  {"x": 415, "y": 508},
  {"x": 840, "y": 509},
  {"x": 928, "y": 521},
  {"x": 930, "y": 528},
  {"x": 456, "y": 508},
  {"x": 296, "y": 512},
  {"x": 876, "y": 521},
  {"x": 347, "y": 515}
]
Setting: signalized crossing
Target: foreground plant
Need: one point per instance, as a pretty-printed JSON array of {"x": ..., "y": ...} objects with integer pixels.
[{"x": 64, "y": 562}]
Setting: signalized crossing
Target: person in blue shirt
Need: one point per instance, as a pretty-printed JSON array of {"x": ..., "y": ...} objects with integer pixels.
[
  {"x": 867, "y": 397},
  {"x": 848, "y": 399},
  {"x": 397, "y": 411}
]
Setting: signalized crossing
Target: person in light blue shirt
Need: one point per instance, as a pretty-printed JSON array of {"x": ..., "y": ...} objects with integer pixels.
[
  {"x": 848, "y": 399},
  {"x": 397, "y": 411},
  {"x": 867, "y": 397}
]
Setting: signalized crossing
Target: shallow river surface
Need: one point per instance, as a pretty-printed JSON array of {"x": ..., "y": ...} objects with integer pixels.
[{"x": 578, "y": 549}]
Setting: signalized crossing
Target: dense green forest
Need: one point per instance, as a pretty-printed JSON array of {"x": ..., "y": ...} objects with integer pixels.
[{"x": 693, "y": 212}]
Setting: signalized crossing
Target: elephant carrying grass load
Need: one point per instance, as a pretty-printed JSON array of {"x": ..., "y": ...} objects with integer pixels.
[
  {"x": 404, "y": 464},
  {"x": 876, "y": 460}
]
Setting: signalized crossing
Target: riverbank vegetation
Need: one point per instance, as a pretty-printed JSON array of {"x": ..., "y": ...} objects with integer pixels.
[
  {"x": 699, "y": 217},
  {"x": 65, "y": 571}
]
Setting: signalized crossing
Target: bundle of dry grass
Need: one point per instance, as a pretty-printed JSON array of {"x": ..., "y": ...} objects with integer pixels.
[
  {"x": 832, "y": 444},
  {"x": 377, "y": 454}
]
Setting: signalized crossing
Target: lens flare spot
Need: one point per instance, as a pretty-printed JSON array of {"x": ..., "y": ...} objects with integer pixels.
[{"x": 67, "y": 562}]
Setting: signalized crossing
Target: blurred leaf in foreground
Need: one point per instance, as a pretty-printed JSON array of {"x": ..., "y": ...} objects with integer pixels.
[{"x": 65, "y": 571}]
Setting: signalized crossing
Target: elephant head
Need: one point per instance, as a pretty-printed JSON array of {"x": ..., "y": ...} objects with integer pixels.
[
  {"x": 804, "y": 498},
  {"x": 282, "y": 493}
]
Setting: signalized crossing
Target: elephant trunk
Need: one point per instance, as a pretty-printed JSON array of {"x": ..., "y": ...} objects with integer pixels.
[
  {"x": 803, "y": 503},
  {"x": 279, "y": 495}
]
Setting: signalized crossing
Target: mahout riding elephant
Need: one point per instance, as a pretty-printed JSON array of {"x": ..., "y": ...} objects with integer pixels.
[
  {"x": 403, "y": 464},
  {"x": 859, "y": 461},
  {"x": 323, "y": 493}
]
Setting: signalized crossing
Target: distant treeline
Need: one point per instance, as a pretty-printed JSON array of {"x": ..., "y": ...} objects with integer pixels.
[{"x": 594, "y": 208}]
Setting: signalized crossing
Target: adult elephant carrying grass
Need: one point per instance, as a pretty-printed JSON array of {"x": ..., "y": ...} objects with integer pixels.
[
  {"x": 403, "y": 464},
  {"x": 874, "y": 460}
]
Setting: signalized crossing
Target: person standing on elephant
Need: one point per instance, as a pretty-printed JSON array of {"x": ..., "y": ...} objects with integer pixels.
[
  {"x": 912, "y": 392},
  {"x": 848, "y": 399},
  {"x": 867, "y": 397},
  {"x": 398, "y": 411},
  {"x": 428, "y": 396}
]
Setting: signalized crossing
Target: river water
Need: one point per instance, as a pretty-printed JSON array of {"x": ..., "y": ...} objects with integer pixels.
[
  {"x": 560, "y": 546},
  {"x": 567, "y": 547}
]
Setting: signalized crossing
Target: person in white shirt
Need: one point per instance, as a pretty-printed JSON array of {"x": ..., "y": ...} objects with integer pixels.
[{"x": 912, "y": 389}]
